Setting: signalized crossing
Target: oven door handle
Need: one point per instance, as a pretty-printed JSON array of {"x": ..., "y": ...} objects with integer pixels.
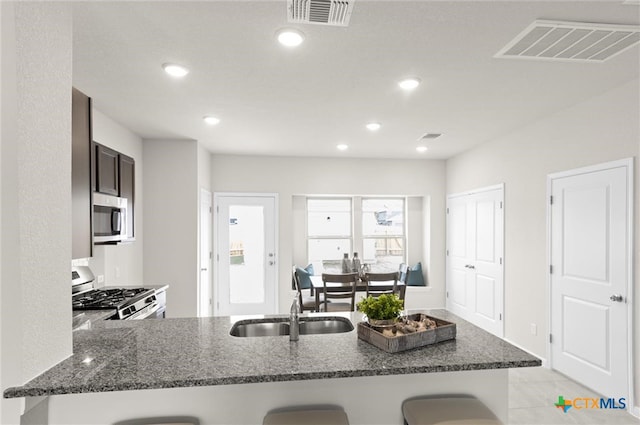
[{"x": 144, "y": 313}]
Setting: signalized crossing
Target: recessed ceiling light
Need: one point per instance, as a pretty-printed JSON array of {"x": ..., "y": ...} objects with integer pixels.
[
  {"x": 373, "y": 126},
  {"x": 409, "y": 83},
  {"x": 422, "y": 149},
  {"x": 175, "y": 70},
  {"x": 211, "y": 120},
  {"x": 290, "y": 37},
  {"x": 342, "y": 147}
]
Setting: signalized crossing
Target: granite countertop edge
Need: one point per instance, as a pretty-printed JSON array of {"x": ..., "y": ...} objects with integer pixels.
[
  {"x": 192, "y": 352},
  {"x": 15, "y": 392}
]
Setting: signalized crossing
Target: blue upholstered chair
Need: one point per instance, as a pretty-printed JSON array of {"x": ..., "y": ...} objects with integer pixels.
[
  {"x": 301, "y": 282},
  {"x": 412, "y": 276}
]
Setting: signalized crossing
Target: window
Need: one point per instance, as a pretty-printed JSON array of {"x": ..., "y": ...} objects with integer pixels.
[
  {"x": 328, "y": 230},
  {"x": 383, "y": 240},
  {"x": 372, "y": 227}
]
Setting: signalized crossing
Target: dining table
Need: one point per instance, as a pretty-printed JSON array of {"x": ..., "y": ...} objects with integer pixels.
[{"x": 317, "y": 287}]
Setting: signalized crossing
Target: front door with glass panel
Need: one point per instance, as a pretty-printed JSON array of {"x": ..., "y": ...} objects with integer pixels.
[{"x": 245, "y": 254}]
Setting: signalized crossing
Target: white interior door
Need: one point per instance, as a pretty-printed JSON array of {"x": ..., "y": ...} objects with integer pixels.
[
  {"x": 590, "y": 238},
  {"x": 475, "y": 241},
  {"x": 246, "y": 268},
  {"x": 204, "y": 287}
]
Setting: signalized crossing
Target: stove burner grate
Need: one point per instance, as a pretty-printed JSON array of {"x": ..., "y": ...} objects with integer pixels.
[{"x": 105, "y": 298}]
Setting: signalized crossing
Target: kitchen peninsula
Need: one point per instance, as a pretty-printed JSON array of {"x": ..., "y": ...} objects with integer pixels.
[{"x": 193, "y": 366}]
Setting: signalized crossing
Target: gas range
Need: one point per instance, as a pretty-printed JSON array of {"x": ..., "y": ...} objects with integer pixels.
[{"x": 128, "y": 303}]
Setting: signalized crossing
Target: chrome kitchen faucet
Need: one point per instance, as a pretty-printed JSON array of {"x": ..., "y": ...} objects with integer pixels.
[{"x": 294, "y": 322}]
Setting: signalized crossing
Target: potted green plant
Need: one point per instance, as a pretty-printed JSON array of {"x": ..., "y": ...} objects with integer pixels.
[{"x": 383, "y": 310}]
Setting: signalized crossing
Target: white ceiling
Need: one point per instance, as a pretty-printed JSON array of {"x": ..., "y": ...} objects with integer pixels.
[{"x": 303, "y": 102}]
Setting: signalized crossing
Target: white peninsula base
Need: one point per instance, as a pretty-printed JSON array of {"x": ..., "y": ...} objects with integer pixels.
[{"x": 367, "y": 400}]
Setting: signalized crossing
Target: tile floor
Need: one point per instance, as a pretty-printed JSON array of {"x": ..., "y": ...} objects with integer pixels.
[{"x": 533, "y": 392}]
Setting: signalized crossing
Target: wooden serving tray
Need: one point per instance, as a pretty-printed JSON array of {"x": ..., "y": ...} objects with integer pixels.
[{"x": 443, "y": 332}]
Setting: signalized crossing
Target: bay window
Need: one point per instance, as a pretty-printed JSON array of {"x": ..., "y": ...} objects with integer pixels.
[{"x": 373, "y": 227}]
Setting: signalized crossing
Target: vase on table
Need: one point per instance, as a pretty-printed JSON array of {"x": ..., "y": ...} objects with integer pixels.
[
  {"x": 347, "y": 265},
  {"x": 356, "y": 263}
]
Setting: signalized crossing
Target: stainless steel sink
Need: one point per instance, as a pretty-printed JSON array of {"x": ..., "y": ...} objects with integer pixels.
[
  {"x": 280, "y": 326},
  {"x": 246, "y": 328},
  {"x": 334, "y": 325}
]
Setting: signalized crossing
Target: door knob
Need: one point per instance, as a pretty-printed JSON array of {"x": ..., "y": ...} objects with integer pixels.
[{"x": 616, "y": 298}]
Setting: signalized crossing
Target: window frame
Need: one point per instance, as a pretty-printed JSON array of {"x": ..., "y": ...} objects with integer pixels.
[
  {"x": 403, "y": 236},
  {"x": 309, "y": 238},
  {"x": 357, "y": 236}
]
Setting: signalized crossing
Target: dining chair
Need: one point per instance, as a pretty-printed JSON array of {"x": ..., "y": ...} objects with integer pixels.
[
  {"x": 346, "y": 293},
  {"x": 374, "y": 291},
  {"x": 306, "y": 303}
]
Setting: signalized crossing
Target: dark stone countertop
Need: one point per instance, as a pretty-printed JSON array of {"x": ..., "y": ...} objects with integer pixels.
[{"x": 189, "y": 352}]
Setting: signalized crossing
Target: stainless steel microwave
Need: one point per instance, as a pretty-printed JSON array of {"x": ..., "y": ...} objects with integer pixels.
[{"x": 109, "y": 219}]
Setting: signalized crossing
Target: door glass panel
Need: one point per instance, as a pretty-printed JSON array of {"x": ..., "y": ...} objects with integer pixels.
[{"x": 246, "y": 254}]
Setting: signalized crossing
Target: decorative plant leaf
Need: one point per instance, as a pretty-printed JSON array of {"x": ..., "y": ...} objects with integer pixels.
[{"x": 384, "y": 307}]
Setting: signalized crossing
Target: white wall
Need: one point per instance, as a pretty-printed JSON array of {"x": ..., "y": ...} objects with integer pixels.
[
  {"x": 204, "y": 168},
  {"x": 36, "y": 178},
  {"x": 170, "y": 248},
  {"x": 321, "y": 176},
  {"x": 601, "y": 129},
  {"x": 10, "y": 293},
  {"x": 121, "y": 265}
]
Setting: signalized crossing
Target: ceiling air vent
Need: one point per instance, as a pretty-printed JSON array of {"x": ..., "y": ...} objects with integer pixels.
[
  {"x": 322, "y": 12},
  {"x": 430, "y": 136},
  {"x": 571, "y": 41}
]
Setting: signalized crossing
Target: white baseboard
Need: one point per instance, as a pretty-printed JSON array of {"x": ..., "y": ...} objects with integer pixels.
[{"x": 544, "y": 361}]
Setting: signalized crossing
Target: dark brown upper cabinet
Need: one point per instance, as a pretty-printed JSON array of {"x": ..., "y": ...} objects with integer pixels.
[
  {"x": 81, "y": 176},
  {"x": 107, "y": 170},
  {"x": 127, "y": 189},
  {"x": 115, "y": 174}
]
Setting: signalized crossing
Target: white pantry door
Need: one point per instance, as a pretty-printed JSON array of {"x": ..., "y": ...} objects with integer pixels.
[
  {"x": 475, "y": 246},
  {"x": 590, "y": 238},
  {"x": 246, "y": 269}
]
